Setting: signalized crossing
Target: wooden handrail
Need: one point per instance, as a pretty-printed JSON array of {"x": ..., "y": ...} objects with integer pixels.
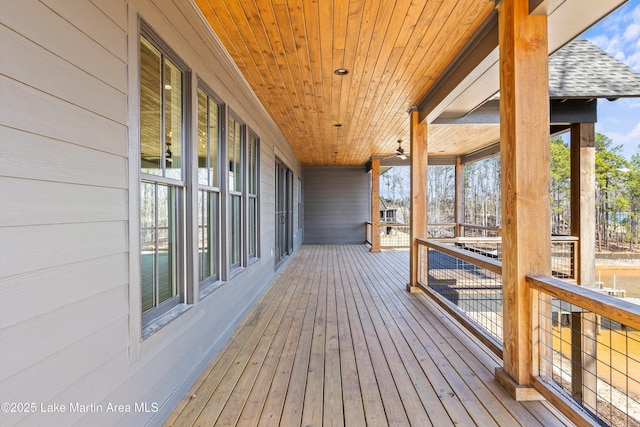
[
  {"x": 479, "y": 227},
  {"x": 616, "y": 309},
  {"x": 565, "y": 239},
  {"x": 470, "y": 257}
]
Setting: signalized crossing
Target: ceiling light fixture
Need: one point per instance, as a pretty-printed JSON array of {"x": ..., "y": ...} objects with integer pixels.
[
  {"x": 341, "y": 72},
  {"x": 338, "y": 125}
]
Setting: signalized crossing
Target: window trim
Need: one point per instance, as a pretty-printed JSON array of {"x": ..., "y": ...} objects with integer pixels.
[
  {"x": 181, "y": 187},
  {"x": 206, "y": 286},
  {"x": 236, "y": 267},
  {"x": 251, "y": 258}
]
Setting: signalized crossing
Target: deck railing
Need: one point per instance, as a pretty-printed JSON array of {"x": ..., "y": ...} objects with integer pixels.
[
  {"x": 475, "y": 230},
  {"x": 563, "y": 257},
  {"x": 589, "y": 352},
  {"x": 466, "y": 283},
  {"x": 482, "y": 240},
  {"x": 587, "y": 343},
  {"x": 395, "y": 236}
]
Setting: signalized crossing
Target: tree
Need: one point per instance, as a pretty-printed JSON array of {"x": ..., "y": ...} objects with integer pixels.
[
  {"x": 482, "y": 192},
  {"x": 611, "y": 170},
  {"x": 560, "y": 186},
  {"x": 632, "y": 189}
]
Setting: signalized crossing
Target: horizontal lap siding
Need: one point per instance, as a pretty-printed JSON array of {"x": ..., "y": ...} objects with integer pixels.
[
  {"x": 65, "y": 227},
  {"x": 336, "y": 205},
  {"x": 64, "y": 191}
]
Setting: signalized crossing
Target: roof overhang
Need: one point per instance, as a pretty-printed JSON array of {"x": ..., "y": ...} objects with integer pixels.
[{"x": 473, "y": 77}]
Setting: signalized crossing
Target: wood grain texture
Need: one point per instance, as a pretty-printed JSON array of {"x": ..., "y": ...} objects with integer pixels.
[
  {"x": 337, "y": 341},
  {"x": 393, "y": 50},
  {"x": 418, "y": 189},
  {"x": 583, "y": 203},
  {"x": 524, "y": 119}
]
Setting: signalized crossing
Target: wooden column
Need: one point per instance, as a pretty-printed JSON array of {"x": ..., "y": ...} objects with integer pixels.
[
  {"x": 459, "y": 208},
  {"x": 524, "y": 151},
  {"x": 583, "y": 226},
  {"x": 375, "y": 205},
  {"x": 583, "y": 200},
  {"x": 418, "y": 193}
]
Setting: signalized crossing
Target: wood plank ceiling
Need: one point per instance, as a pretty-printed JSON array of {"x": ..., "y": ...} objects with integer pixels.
[{"x": 394, "y": 50}]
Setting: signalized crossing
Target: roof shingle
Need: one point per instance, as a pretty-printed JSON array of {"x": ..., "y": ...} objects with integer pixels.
[{"x": 580, "y": 69}]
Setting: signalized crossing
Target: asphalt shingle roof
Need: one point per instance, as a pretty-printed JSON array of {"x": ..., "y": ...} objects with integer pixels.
[{"x": 580, "y": 69}]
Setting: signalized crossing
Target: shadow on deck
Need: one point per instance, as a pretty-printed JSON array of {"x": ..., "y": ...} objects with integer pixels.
[{"x": 337, "y": 340}]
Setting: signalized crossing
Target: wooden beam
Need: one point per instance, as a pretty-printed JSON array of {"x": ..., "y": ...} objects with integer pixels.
[
  {"x": 561, "y": 111},
  {"x": 583, "y": 203},
  {"x": 375, "y": 205},
  {"x": 418, "y": 193},
  {"x": 448, "y": 85},
  {"x": 524, "y": 135}
]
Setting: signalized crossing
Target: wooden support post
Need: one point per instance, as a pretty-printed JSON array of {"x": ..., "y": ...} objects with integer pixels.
[
  {"x": 583, "y": 359},
  {"x": 584, "y": 326},
  {"x": 583, "y": 202},
  {"x": 524, "y": 151},
  {"x": 459, "y": 208},
  {"x": 418, "y": 193},
  {"x": 375, "y": 205}
]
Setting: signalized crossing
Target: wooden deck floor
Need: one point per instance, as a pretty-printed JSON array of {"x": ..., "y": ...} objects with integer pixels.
[{"x": 337, "y": 340}]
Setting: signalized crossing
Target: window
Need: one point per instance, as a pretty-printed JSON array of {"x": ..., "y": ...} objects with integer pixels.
[
  {"x": 236, "y": 153},
  {"x": 208, "y": 187},
  {"x": 300, "y": 218},
  {"x": 162, "y": 184},
  {"x": 252, "y": 196}
]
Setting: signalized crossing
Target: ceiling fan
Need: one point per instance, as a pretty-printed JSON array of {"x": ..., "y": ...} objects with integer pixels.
[{"x": 400, "y": 151}]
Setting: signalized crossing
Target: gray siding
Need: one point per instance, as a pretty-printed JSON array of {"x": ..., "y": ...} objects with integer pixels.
[
  {"x": 70, "y": 328},
  {"x": 336, "y": 205}
]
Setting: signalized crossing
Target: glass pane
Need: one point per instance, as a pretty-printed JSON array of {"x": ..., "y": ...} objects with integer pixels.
[
  {"x": 213, "y": 233},
  {"x": 253, "y": 165},
  {"x": 235, "y": 230},
  {"x": 148, "y": 244},
  {"x": 203, "y": 236},
  {"x": 235, "y": 158},
  {"x": 238, "y": 156},
  {"x": 173, "y": 120},
  {"x": 252, "y": 226},
  {"x": 214, "y": 143},
  {"x": 207, "y": 234},
  {"x": 232, "y": 153},
  {"x": 167, "y": 243},
  {"x": 203, "y": 137},
  {"x": 150, "y": 109}
]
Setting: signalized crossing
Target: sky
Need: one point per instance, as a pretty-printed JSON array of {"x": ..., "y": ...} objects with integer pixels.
[{"x": 619, "y": 35}]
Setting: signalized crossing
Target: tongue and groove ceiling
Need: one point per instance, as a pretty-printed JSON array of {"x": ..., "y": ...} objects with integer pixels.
[{"x": 394, "y": 50}]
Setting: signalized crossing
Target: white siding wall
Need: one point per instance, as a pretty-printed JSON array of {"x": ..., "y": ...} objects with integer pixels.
[{"x": 69, "y": 285}]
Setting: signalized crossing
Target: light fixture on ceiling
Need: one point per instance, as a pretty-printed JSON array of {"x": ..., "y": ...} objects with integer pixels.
[
  {"x": 341, "y": 72},
  {"x": 338, "y": 125},
  {"x": 400, "y": 151}
]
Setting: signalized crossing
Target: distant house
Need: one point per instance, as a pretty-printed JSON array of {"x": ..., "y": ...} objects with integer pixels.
[{"x": 388, "y": 212}]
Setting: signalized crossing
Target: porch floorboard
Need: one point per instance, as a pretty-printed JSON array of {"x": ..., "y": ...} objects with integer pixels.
[{"x": 336, "y": 340}]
